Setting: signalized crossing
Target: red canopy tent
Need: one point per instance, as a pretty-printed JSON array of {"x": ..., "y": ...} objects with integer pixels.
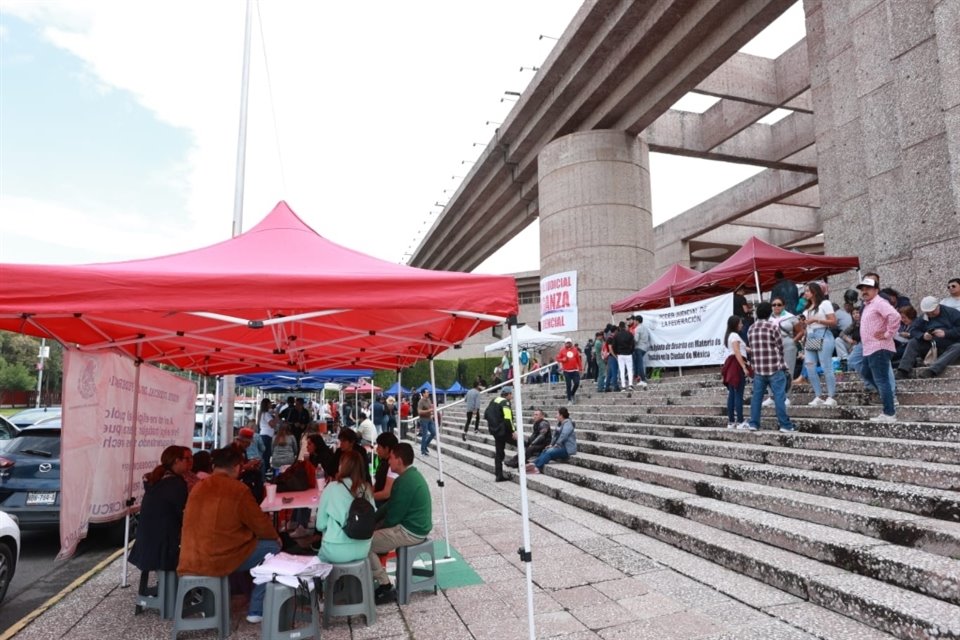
[
  {"x": 278, "y": 297},
  {"x": 662, "y": 289},
  {"x": 754, "y": 265}
]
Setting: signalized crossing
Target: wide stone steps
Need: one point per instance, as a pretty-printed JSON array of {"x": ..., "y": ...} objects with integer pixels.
[
  {"x": 691, "y": 473},
  {"x": 899, "y": 611},
  {"x": 627, "y": 433},
  {"x": 925, "y": 474}
]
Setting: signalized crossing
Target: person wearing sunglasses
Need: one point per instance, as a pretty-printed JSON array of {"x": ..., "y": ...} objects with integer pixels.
[
  {"x": 787, "y": 323},
  {"x": 952, "y": 300}
]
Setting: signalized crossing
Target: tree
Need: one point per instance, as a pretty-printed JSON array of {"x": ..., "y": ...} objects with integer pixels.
[{"x": 15, "y": 377}]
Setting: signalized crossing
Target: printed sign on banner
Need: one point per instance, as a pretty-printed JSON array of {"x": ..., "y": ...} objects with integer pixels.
[
  {"x": 688, "y": 335},
  {"x": 558, "y": 303},
  {"x": 100, "y": 440}
]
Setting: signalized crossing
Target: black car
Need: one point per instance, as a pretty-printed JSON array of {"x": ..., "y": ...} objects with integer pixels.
[{"x": 30, "y": 476}]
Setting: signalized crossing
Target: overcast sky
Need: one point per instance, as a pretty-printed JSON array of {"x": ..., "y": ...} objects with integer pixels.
[{"x": 118, "y": 120}]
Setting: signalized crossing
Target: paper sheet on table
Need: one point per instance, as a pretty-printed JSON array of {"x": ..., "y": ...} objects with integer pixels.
[{"x": 288, "y": 569}]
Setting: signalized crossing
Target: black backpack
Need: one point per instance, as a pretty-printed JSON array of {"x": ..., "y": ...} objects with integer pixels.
[{"x": 361, "y": 519}]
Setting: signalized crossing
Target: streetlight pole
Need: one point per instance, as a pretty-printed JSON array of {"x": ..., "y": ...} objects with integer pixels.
[{"x": 44, "y": 354}]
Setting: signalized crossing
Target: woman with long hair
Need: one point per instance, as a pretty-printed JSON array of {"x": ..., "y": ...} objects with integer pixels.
[
  {"x": 818, "y": 347},
  {"x": 350, "y": 483},
  {"x": 157, "y": 546},
  {"x": 734, "y": 372},
  {"x": 284, "y": 448}
]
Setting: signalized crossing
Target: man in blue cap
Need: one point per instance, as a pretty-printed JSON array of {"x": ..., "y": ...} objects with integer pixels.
[{"x": 499, "y": 417}]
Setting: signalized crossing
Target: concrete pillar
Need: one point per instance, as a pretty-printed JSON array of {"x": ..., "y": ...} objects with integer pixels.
[
  {"x": 885, "y": 81},
  {"x": 595, "y": 218}
]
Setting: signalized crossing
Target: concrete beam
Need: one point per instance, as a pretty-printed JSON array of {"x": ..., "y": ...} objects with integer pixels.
[
  {"x": 783, "y": 216},
  {"x": 737, "y": 236},
  {"x": 687, "y": 134},
  {"x": 754, "y": 193}
]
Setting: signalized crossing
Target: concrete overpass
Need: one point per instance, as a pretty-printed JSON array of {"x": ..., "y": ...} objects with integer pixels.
[{"x": 869, "y": 87}]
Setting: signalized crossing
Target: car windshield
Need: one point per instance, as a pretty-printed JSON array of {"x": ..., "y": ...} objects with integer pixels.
[{"x": 43, "y": 443}]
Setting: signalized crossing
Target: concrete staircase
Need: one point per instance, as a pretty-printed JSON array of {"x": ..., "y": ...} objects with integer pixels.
[{"x": 860, "y": 518}]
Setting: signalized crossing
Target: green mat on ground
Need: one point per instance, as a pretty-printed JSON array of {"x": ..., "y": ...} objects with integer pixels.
[{"x": 452, "y": 573}]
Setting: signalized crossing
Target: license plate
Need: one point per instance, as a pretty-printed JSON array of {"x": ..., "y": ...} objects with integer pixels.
[{"x": 44, "y": 498}]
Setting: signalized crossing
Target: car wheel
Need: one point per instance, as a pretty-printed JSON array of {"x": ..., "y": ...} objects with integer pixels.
[{"x": 6, "y": 568}]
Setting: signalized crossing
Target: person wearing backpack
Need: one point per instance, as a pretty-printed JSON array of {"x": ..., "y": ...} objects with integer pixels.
[
  {"x": 405, "y": 519},
  {"x": 337, "y": 546}
]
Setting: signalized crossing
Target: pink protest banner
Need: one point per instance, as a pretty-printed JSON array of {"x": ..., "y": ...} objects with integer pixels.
[{"x": 101, "y": 439}]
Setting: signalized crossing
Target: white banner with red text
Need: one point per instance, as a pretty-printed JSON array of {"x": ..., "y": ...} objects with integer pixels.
[
  {"x": 101, "y": 440},
  {"x": 688, "y": 335},
  {"x": 558, "y": 303}
]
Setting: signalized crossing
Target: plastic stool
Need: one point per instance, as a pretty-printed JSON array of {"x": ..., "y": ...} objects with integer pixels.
[
  {"x": 405, "y": 570},
  {"x": 214, "y": 609},
  {"x": 162, "y": 597},
  {"x": 360, "y": 600},
  {"x": 279, "y": 610}
]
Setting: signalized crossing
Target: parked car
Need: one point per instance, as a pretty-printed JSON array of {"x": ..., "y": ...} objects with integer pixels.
[
  {"x": 30, "y": 417},
  {"x": 30, "y": 476},
  {"x": 9, "y": 551},
  {"x": 30, "y": 481}
]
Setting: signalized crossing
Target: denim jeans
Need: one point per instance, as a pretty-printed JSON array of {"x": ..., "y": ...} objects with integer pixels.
[
  {"x": 549, "y": 454},
  {"x": 825, "y": 358},
  {"x": 778, "y": 385},
  {"x": 428, "y": 431},
  {"x": 735, "y": 401},
  {"x": 638, "y": 368},
  {"x": 613, "y": 378},
  {"x": 256, "y": 557},
  {"x": 878, "y": 372},
  {"x": 572, "y": 379}
]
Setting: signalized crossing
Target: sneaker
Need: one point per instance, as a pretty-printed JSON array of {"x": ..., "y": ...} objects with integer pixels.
[
  {"x": 631, "y": 387},
  {"x": 744, "y": 425},
  {"x": 787, "y": 402},
  {"x": 752, "y": 427},
  {"x": 642, "y": 384},
  {"x": 767, "y": 403},
  {"x": 816, "y": 402},
  {"x": 884, "y": 418},
  {"x": 829, "y": 402},
  {"x": 463, "y": 436},
  {"x": 926, "y": 373},
  {"x": 254, "y": 619},
  {"x": 301, "y": 532},
  {"x": 789, "y": 429},
  {"x": 385, "y": 594},
  {"x": 731, "y": 425},
  {"x": 532, "y": 470}
]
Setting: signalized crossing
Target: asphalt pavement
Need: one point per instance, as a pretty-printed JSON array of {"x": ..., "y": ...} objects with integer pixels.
[{"x": 39, "y": 576}]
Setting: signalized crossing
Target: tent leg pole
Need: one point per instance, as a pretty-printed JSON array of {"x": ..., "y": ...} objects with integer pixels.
[
  {"x": 436, "y": 422},
  {"x": 525, "y": 553},
  {"x": 133, "y": 456}
]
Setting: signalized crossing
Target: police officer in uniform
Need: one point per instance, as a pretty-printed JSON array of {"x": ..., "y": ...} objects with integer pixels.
[{"x": 499, "y": 417}]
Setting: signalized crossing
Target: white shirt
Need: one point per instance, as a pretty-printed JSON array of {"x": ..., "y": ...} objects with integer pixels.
[
  {"x": 265, "y": 428},
  {"x": 825, "y": 308},
  {"x": 950, "y": 301},
  {"x": 732, "y": 340}
]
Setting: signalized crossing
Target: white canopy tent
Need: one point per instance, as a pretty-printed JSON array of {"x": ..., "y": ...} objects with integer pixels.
[{"x": 527, "y": 338}]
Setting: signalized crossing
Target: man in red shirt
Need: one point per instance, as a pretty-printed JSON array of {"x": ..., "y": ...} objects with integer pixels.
[{"x": 569, "y": 360}]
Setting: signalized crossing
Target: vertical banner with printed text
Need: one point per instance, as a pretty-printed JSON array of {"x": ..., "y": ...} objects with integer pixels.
[
  {"x": 688, "y": 335},
  {"x": 100, "y": 440},
  {"x": 558, "y": 303}
]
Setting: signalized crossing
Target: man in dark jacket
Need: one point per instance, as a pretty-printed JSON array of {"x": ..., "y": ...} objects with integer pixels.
[
  {"x": 941, "y": 327},
  {"x": 499, "y": 417},
  {"x": 538, "y": 440},
  {"x": 623, "y": 345}
]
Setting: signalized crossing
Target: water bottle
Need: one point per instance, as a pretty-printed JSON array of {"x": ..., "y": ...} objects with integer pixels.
[{"x": 321, "y": 478}]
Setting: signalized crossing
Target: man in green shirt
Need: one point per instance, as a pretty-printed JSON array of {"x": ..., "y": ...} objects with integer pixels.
[{"x": 405, "y": 519}]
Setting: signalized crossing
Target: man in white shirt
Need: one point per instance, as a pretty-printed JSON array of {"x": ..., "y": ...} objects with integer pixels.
[{"x": 952, "y": 300}]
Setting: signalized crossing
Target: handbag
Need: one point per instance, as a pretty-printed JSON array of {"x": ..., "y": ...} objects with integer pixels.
[{"x": 813, "y": 343}]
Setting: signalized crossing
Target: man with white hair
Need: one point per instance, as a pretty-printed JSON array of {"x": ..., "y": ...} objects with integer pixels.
[{"x": 940, "y": 326}]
